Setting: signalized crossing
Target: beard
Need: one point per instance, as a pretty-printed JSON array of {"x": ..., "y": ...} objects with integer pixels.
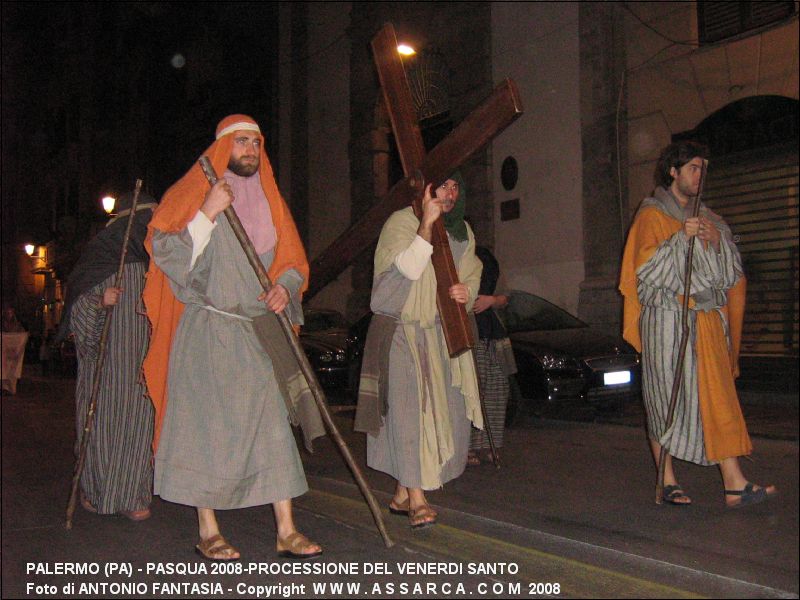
[
  {"x": 688, "y": 189},
  {"x": 243, "y": 167}
]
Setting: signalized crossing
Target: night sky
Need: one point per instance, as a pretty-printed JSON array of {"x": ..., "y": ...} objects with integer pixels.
[{"x": 99, "y": 86}]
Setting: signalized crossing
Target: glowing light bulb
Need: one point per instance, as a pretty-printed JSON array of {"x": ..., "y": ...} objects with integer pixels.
[
  {"x": 108, "y": 204},
  {"x": 406, "y": 50}
]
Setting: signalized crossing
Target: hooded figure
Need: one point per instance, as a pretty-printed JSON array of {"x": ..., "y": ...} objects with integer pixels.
[
  {"x": 100, "y": 257},
  {"x": 118, "y": 472}
]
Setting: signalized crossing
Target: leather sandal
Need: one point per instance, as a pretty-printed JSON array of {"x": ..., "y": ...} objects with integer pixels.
[
  {"x": 216, "y": 549},
  {"x": 672, "y": 493},
  {"x": 135, "y": 515},
  {"x": 399, "y": 509},
  {"x": 424, "y": 516},
  {"x": 293, "y": 545},
  {"x": 749, "y": 496}
]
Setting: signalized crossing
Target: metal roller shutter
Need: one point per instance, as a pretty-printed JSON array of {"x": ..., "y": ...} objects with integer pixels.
[{"x": 758, "y": 197}]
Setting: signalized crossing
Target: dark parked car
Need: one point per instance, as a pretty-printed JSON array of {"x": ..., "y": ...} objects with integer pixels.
[
  {"x": 324, "y": 339},
  {"x": 560, "y": 357}
]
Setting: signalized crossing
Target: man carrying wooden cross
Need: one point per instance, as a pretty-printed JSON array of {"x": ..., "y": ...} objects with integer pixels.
[
  {"x": 415, "y": 402},
  {"x": 217, "y": 353}
]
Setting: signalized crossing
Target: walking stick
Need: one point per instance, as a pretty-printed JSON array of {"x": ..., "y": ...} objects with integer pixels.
[
  {"x": 495, "y": 458},
  {"x": 679, "y": 367},
  {"x": 98, "y": 369},
  {"x": 300, "y": 355}
]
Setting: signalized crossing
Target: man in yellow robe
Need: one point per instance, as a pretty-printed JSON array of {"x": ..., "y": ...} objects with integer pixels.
[{"x": 708, "y": 427}]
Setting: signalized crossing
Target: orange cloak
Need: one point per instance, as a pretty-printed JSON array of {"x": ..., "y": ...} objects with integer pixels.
[{"x": 178, "y": 206}]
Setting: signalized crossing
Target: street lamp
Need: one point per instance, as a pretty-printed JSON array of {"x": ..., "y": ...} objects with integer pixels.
[
  {"x": 406, "y": 50},
  {"x": 108, "y": 204},
  {"x": 29, "y": 248}
]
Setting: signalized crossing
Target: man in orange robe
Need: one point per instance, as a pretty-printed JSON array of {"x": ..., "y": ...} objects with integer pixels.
[
  {"x": 222, "y": 435},
  {"x": 708, "y": 426}
]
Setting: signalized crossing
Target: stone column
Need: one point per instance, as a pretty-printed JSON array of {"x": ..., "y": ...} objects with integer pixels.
[
  {"x": 603, "y": 132},
  {"x": 299, "y": 129}
]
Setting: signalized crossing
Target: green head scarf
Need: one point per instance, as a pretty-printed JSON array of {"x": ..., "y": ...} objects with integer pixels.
[{"x": 454, "y": 220}]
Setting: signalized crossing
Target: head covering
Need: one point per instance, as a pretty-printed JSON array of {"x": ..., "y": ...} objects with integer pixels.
[
  {"x": 454, "y": 220},
  {"x": 124, "y": 204},
  {"x": 178, "y": 206},
  {"x": 236, "y": 123},
  {"x": 100, "y": 257}
]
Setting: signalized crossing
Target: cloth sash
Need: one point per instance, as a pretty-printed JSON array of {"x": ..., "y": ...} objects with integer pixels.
[{"x": 292, "y": 382}]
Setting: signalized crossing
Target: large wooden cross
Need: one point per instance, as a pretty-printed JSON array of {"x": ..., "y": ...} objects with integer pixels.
[{"x": 472, "y": 134}]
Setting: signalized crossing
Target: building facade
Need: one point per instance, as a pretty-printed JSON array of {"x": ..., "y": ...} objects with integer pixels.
[{"x": 605, "y": 86}]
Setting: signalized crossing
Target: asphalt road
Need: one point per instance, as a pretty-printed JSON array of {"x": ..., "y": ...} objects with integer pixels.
[{"x": 570, "y": 513}]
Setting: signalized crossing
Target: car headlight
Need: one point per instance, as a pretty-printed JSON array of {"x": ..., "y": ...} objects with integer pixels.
[
  {"x": 340, "y": 356},
  {"x": 554, "y": 361}
]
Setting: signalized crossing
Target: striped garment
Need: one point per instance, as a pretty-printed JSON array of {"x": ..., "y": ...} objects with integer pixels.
[
  {"x": 660, "y": 283},
  {"x": 118, "y": 474},
  {"x": 494, "y": 394}
]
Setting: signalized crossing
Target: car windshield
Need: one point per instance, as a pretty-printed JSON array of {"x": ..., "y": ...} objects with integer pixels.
[
  {"x": 526, "y": 312},
  {"x": 316, "y": 321}
]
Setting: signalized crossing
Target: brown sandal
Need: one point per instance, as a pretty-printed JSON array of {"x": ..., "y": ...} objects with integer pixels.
[
  {"x": 399, "y": 509},
  {"x": 293, "y": 545},
  {"x": 424, "y": 516},
  {"x": 135, "y": 515},
  {"x": 216, "y": 549}
]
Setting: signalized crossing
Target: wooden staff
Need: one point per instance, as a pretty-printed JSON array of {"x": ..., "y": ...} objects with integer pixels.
[
  {"x": 300, "y": 355},
  {"x": 98, "y": 369},
  {"x": 679, "y": 367},
  {"x": 481, "y": 396}
]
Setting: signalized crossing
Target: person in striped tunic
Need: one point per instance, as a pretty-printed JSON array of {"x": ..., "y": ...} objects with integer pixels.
[
  {"x": 494, "y": 359},
  {"x": 708, "y": 427},
  {"x": 118, "y": 473}
]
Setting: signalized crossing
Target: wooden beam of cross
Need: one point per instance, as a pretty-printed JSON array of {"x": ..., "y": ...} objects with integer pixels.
[{"x": 472, "y": 134}]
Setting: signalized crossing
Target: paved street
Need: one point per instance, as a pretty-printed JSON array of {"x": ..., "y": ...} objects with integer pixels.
[{"x": 570, "y": 513}]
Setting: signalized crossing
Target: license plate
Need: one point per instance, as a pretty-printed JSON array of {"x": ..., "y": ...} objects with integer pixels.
[{"x": 616, "y": 377}]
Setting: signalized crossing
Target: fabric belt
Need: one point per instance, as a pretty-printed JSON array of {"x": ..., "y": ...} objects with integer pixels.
[{"x": 223, "y": 313}]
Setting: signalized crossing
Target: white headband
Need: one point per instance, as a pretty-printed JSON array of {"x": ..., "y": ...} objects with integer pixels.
[{"x": 242, "y": 125}]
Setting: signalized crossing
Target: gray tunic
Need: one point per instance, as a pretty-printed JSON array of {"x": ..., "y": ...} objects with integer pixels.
[
  {"x": 118, "y": 473},
  {"x": 396, "y": 448},
  {"x": 226, "y": 441}
]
